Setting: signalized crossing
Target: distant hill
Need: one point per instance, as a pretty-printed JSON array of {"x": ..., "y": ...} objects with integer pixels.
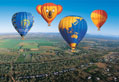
[
  {"x": 102, "y": 37},
  {"x": 39, "y": 34}
]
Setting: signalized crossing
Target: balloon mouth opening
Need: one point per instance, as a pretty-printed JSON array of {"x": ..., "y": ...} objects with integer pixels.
[{"x": 73, "y": 45}]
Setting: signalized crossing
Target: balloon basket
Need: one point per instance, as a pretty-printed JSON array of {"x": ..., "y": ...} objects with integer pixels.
[
  {"x": 22, "y": 38},
  {"x": 98, "y": 29},
  {"x": 49, "y": 25},
  {"x": 73, "y": 50}
]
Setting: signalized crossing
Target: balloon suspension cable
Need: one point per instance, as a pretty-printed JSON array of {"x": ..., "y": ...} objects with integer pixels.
[
  {"x": 73, "y": 50},
  {"x": 49, "y": 25},
  {"x": 22, "y": 37}
]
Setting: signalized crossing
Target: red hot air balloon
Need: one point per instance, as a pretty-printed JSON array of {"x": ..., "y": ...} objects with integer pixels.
[
  {"x": 99, "y": 17},
  {"x": 49, "y": 11}
]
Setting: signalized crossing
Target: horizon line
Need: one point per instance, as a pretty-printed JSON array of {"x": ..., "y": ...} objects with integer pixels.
[{"x": 59, "y": 33}]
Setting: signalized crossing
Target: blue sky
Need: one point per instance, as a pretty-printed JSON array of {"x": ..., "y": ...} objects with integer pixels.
[{"x": 81, "y": 8}]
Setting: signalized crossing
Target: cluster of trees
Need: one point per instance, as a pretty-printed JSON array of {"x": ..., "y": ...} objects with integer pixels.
[
  {"x": 50, "y": 66},
  {"x": 7, "y": 58},
  {"x": 24, "y": 69}
]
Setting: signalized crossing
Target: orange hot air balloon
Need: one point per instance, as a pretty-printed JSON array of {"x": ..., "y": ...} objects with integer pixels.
[
  {"x": 99, "y": 17},
  {"x": 49, "y": 11}
]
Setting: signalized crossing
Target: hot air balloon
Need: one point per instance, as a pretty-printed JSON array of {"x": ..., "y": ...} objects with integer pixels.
[
  {"x": 99, "y": 17},
  {"x": 73, "y": 29},
  {"x": 49, "y": 11},
  {"x": 22, "y": 21}
]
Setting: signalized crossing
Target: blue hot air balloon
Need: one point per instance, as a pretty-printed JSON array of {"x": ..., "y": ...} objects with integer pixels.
[
  {"x": 73, "y": 29},
  {"x": 22, "y": 21}
]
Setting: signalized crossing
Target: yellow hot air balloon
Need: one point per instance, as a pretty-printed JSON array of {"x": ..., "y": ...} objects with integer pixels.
[{"x": 99, "y": 17}]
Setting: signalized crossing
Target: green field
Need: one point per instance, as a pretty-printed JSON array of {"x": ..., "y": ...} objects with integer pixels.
[
  {"x": 51, "y": 58},
  {"x": 9, "y": 43},
  {"x": 16, "y": 44}
]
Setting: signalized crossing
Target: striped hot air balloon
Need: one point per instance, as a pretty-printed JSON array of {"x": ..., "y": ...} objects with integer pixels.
[
  {"x": 99, "y": 17},
  {"x": 73, "y": 29}
]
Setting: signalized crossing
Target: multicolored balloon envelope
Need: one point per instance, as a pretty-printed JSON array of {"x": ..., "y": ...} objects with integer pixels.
[
  {"x": 49, "y": 11},
  {"x": 99, "y": 17},
  {"x": 73, "y": 29},
  {"x": 22, "y": 22}
]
